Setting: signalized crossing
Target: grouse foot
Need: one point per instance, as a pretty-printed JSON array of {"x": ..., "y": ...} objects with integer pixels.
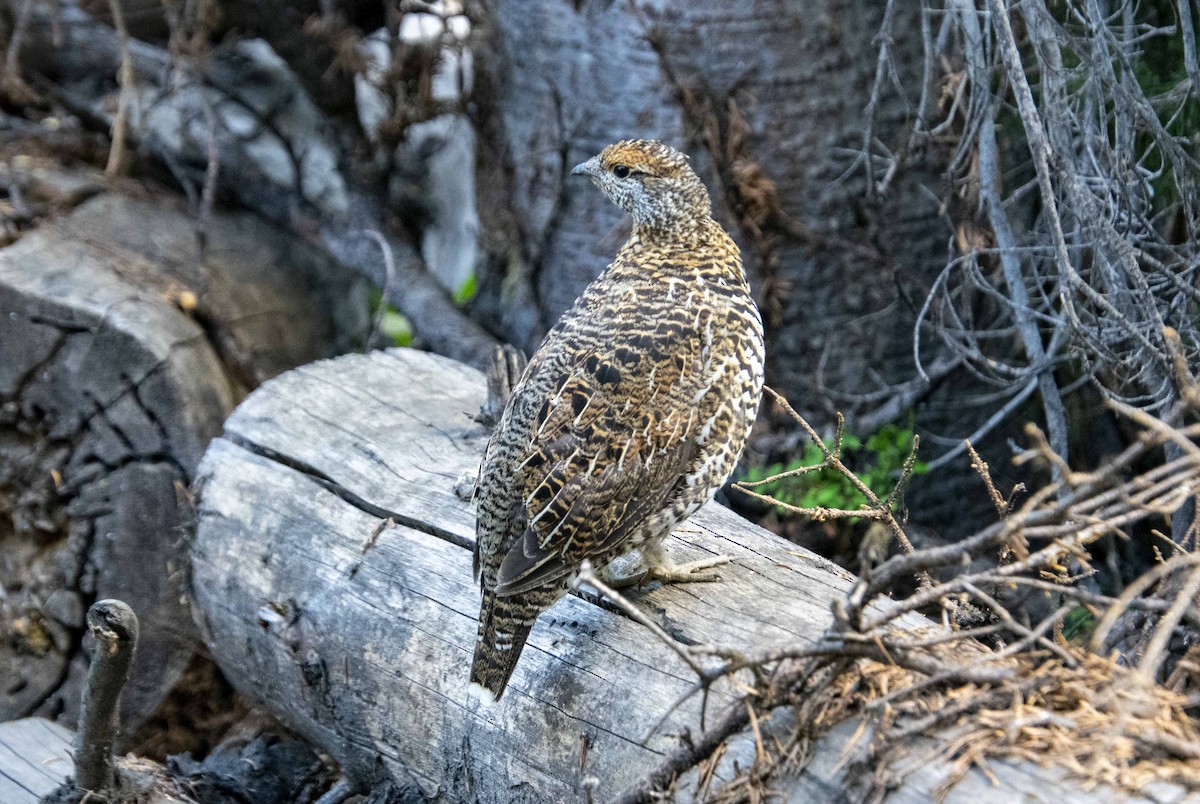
[{"x": 658, "y": 566}]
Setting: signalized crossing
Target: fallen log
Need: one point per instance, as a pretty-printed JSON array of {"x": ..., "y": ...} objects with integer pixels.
[
  {"x": 35, "y": 757},
  {"x": 359, "y": 636},
  {"x": 331, "y": 570}
]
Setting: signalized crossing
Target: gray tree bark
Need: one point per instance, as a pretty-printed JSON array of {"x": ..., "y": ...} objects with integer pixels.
[
  {"x": 121, "y": 353},
  {"x": 769, "y": 98}
]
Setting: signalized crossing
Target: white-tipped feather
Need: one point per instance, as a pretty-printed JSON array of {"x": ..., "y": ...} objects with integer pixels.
[{"x": 480, "y": 693}]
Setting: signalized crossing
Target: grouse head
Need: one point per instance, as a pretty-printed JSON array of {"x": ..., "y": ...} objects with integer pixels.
[{"x": 651, "y": 181}]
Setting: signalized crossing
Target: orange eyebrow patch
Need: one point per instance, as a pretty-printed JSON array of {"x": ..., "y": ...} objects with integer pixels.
[{"x": 649, "y": 156}]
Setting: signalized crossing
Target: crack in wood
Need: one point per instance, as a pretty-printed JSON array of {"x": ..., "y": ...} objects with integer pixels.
[{"x": 335, "y": 488}]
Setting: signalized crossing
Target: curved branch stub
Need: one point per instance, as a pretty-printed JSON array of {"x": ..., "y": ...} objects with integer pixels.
[{"x": 114, "y": 626}]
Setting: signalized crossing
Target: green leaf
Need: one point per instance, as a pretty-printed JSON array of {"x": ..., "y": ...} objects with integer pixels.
[
  {"x": 466, "y": 291},
  {"x": 396, "y": 327},
  {"x": 1078, "y": 625}
]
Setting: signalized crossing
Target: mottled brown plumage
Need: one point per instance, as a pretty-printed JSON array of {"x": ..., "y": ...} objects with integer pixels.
[{"x": 630, "y": 415}]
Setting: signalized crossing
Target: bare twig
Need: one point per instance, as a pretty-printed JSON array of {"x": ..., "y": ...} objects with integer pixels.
[
  {"x": 1056, "y": 419},
  {"x": 212, "y": 172},
  {"x": 118, "y": 156},
  {"x": 587, "y": 577},
  {"x": 389, "y": 274},
  {"x": 1152, "y": 658},
  {"x": 884, "y": 39},
  {"x": 13, "y": 53},
  {"x": 981, "y": 468}
]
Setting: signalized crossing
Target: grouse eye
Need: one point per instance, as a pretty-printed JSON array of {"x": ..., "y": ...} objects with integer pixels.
[{"x": 621, "y": 171}]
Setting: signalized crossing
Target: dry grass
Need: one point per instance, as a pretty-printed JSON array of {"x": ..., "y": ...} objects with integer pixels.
[{"x": 1103, "y": 723}]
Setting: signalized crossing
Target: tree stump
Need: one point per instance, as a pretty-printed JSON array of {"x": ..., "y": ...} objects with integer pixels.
[{"x": 122, "y": 350}]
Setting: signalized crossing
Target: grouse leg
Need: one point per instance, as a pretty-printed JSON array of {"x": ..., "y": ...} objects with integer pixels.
[{"x": 658, "y": 566}]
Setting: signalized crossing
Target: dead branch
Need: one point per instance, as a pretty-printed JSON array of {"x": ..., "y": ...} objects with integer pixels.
[
  {"x": 967, "y": 677},
  {"x": 118, "y": 156},
  {"x": 876, "y": 509}
]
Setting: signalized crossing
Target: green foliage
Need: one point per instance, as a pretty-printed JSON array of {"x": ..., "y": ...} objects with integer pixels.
[
  {"x": 466, "y": 291},
  {"x": 396, "y": 327},
  {"x": 1078, "y": 625},
  {"x": 877, "y": 462},
  {"x": 392, "y": 323}
]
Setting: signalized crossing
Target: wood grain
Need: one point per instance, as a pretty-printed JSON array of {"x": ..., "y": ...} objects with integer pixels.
[
  {"x": 122, "y": 350},
  {"x": 360, "y": 638},
  {"x": 34, "y": 759}
]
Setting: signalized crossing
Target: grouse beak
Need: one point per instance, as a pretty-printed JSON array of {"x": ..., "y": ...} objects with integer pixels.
[{"x": 588, "y": 168}]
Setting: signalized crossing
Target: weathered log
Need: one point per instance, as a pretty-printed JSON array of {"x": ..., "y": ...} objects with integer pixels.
[
  {"x": 359, "y": 637},
  {"x": 35, "y": 757},
  {"x": 121, "y": 352},
  {"x": 358, "y": 633}
]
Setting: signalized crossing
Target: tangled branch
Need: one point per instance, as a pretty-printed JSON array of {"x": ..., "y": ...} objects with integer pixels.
[
  {"x": 1069, "y": 140},
  {"x": 1019, "y": 686}
]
